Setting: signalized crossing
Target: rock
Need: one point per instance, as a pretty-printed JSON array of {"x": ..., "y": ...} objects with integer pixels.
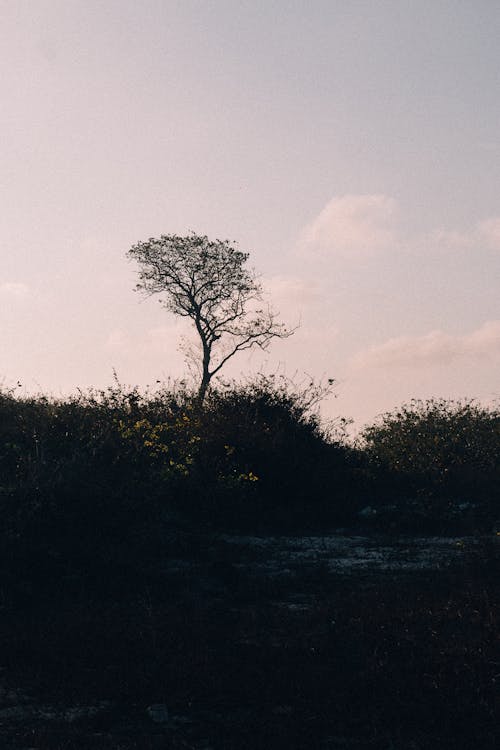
[
  {"x": 282, "y": 710},
  {"x": 77, "y": 713},
  {"x": 15, "y": 713},
  {"x": 367, "y": 512},
  {"x": 158, "y": 713}
]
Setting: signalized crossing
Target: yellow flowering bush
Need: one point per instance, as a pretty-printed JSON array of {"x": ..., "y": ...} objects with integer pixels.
[{"x": 169, "y": 446}]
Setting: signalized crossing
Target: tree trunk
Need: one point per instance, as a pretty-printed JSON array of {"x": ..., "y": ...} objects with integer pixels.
[
  {"x": 206, "y": 376},
  {"x": 202, "y": 391}
]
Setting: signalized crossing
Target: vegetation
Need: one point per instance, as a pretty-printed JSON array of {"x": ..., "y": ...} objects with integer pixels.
[
  {"x": 208, "y": 282},
  {"x": 440, "y": 458},
  {"x": 117, "y": 591},
  {"x": 256, "y": 456}
]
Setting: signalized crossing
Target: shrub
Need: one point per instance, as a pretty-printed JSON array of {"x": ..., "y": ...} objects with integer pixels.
[
  {"x": 78, "y": 495},
  {"x": 270, "y": 458},
  {"x": 441, "y": 450}
]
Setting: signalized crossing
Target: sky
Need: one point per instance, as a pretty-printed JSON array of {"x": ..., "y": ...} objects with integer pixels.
[{"x": 352, "y": 147}]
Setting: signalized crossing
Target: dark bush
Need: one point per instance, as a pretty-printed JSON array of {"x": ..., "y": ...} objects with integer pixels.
[
  {"x": 441, "y": 455},
  {"x": 270, "y": 459}
]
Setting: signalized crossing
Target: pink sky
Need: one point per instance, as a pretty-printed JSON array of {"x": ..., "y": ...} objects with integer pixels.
[{"x": 351, "y": 148}]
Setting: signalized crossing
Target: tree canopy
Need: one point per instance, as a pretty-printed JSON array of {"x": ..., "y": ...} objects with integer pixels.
[{"x": 208, "y": 281}]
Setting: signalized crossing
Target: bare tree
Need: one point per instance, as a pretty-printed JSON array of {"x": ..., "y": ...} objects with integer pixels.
[{"x": 208, "y": 282}]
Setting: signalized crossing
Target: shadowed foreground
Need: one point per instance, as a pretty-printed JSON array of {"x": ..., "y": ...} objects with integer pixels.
[{"x": 218, "y": 650}]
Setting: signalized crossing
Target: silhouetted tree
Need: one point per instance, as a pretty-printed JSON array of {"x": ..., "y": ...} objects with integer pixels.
[{"x": 208, "y": 282}]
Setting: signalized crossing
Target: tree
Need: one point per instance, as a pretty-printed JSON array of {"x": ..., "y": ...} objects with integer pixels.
[{"x": 208, "y": 282}]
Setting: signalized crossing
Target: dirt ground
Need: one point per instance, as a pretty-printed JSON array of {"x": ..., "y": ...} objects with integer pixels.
[{"x": 242, "y": 642}]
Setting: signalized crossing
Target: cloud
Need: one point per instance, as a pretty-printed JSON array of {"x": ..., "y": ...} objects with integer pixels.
[
  {"x": 14, "y": 290},
  {"x": 352, "y": 226},
  {"x": 489, "y": 232},
  {"x": 485, "y": 233},
  {"x": 288, "y": 292},
  {"x": 433, "y": 348},
  {"x": 363, "y": 226},
  {"x": 162, "y": 340},
  {"x": 447, "y": 240}
]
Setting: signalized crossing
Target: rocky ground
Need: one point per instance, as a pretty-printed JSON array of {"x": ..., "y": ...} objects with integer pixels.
[{"x": 254, "y": 642}]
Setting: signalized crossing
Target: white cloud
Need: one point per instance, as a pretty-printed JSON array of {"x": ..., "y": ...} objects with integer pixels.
[
  {"x": 288, "y": 292},
  {"x": 161, "y": 340},
  {"x": 489, "y": 232},
  {"x": 14, "y": 290},
  {"x": 352, "y": 226},
  {"x": 362, "y": 226},
  {"x": 448, "y": 240},
  {"x": 485, "y": 233},
  {"x": 433, "y": 348}
]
